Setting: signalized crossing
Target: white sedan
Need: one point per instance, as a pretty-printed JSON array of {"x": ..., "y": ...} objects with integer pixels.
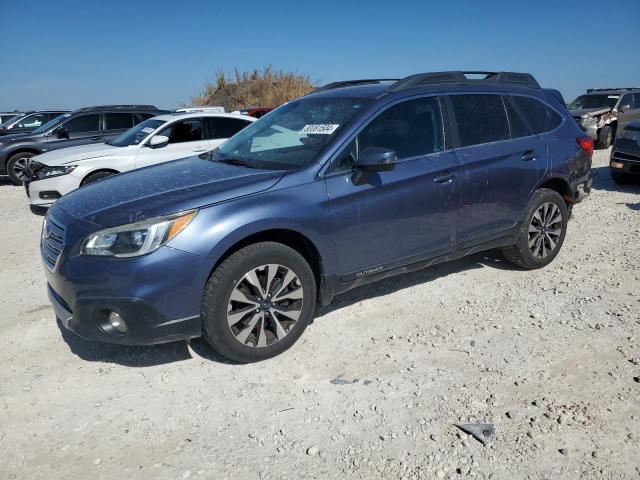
[{"x": 156, "y": 140}]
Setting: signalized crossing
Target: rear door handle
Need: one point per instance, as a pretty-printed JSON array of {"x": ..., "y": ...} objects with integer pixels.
[
  {"x": 529, "y": 155},
  {"x": 199, "y": 149},
  {"x": 444, "y": 177}
]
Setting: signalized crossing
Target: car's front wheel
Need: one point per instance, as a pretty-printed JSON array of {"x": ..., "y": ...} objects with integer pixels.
[
  {"x": 17, "y": 166},
  {"x": 542, "y": 231},
  {"x": 258, "y": 302}
]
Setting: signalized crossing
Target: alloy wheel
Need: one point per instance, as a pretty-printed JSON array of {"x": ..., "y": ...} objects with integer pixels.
[
  {"x": 20, "y": 167},
  {"x": 265, "y": 305},
  {"x": 545, "y": 230}
]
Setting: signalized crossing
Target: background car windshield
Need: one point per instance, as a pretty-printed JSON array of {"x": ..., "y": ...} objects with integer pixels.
[
  {"x": 135, "y": 135},
  {"x": 51, "y": 123},
  {"x": 594, "y": 101},
  {"x": 291, "y": 136}
]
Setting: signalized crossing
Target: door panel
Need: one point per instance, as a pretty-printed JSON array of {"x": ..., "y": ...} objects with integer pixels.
[
  {"x": 397, "y": 216},
  {"x": 186, "y": 139},
  {"x": 497, "y": 180}
]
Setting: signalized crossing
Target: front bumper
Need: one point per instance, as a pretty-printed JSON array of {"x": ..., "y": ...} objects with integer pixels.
[
  {"x": 158, "y": 295},
  {"x": 625, "y": 157},
  {"x": 45, "y": 192}
]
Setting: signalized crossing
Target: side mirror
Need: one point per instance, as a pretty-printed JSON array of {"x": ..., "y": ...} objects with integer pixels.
[
  {"x": 158, "y": 141},
  {"x": 373, "y": 159},
  {"x": 62, "y": 133}
]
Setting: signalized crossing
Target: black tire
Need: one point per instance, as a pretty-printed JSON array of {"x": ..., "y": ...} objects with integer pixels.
[
  {"x": 621, "y": 178},
  {"x": 222, "y": 283},
  {"x": 94, "y": 177},
  {"x": 12, "y": 166},
  {"x": 521, "y": 253},
  {"x": 605, "y": 137}
]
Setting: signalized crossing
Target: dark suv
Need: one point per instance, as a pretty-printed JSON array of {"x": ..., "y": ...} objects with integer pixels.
[
  {"x": 336, "y": 189},
  {"x": 87, "y": 125},
  {"x": 29, "y": 121}
]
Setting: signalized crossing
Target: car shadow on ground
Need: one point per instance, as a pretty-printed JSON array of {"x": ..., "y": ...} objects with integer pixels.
[
  {"x": 490, "y": 258},
  {"x": 602, "y": 181},
  {"x": 5, "y": 181},
  {"x": 139, "y": 356}
]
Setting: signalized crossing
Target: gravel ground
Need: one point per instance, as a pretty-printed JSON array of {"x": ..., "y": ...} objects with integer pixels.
[{"x": 372, "y": 390}]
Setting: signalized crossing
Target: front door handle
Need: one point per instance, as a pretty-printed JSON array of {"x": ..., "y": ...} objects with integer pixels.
[
  {"x": 444, "y": 177},
  {"x": 199, "y": 149},
  {"x": 529, "y": 155}
]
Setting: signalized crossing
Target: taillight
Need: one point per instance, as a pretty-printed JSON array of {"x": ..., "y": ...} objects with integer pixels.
[{"x": 586, "y": 144}]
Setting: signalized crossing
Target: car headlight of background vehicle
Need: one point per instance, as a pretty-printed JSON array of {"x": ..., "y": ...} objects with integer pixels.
[
  {"x": 49, "y": 172},
  {"x": 137, "y": 238}
]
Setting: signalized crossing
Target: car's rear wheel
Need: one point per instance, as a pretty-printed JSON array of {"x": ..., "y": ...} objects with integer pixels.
[
  {"x": 542, "y": 231},
  {"x": 605, "y": 137},
  {"x": 17, "y": 166},
  {"x": 258, "y": 302},
  {"x": 94, "y": 177}
]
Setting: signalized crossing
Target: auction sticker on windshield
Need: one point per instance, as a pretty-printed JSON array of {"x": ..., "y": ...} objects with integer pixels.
[{"x": 322, "y": 129}]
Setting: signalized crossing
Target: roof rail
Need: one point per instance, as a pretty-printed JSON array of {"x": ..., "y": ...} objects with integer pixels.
[
  {"x": 351, "y": 83},
  {"x": 419, "y": 79},
  {"x": 590, "y": 90},
  {"x": 118, "y": 107}
]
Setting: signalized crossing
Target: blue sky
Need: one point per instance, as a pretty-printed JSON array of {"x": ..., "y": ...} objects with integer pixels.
[{"x": 78, "y": 53}]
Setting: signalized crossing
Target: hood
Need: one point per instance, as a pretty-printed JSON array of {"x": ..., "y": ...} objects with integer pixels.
[
  {"x": 64, "y": 156},
  {"x": 12, "y": 136},
  {"x": 589, "y": 111},
  {"x": 163, "y": 189}
]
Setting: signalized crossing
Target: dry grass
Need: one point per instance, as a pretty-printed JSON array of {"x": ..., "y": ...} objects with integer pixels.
[{"x": 266, "y": 88}]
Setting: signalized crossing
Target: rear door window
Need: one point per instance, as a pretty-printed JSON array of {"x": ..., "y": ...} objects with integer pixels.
[
  {"x": 118, "y": 121},
  {"x": 481, "y": 118},
  {"x": 517, "y": 120},
  {"x": 221, "y": 127},
  {"x": 83, "y": 123},
  {"x": 189, "y": 130},
  {"x": 541, "y": 118}
]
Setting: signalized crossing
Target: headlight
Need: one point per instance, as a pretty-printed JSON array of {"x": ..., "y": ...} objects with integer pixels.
[
  {"x": 138, "y": 238},
  {"x": 589, "y": 121},
  {"x": 629, "y": 134},
  {"x": 48, "y": 172}
]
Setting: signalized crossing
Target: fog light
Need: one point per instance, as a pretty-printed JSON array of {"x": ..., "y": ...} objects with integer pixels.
[
  {"x": 117, "y": 322},
  {"x": 617, "y": 165}
]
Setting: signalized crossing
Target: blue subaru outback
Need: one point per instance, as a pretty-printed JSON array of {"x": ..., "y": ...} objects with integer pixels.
[{"x": 355, "y": 182}]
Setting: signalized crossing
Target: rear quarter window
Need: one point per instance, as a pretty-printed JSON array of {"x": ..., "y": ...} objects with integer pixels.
[
  {"x": 480, "y": 118},
  {"x": 541, "y": 118}
]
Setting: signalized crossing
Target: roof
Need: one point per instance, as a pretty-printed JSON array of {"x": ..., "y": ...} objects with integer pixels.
[
  {"x": 604, "y": 91},
  {"x": 433, "y": 82},
  {"x": 178, "y": 115}
]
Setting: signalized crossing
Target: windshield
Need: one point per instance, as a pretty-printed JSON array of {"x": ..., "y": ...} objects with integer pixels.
[
  {"x": 137, "y": 134},
  {"x": 291, "y": 136},
  {"x": 51, "y": 123},
  {"x": 594, "y": 101}
]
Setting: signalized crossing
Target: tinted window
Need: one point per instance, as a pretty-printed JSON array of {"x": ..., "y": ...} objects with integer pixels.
[
  {"x": 480, "y": 119},
  {"x": 143, "y": 117},
  {"x": 541, "y": 118},
  {"x": 32, "y": 121},
  {"x": 118, "y": 121},
  {"x": 410, "y": 128},
  {"x": 636, "y": 100},
  {"x": 184, "y": 131},
  {"x": 626, "y": 100},
  {"x": 226, "y": 127},
  {"x": 83, "y": 123},
  {"x": 517, "y": 120}
]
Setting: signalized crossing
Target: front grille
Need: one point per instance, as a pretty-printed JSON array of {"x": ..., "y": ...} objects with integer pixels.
[
  {"x": 625, "y": 156},
  {"x": 52, "y": 242}
]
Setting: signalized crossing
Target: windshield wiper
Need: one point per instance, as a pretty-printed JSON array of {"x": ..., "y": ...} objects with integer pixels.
[{"x": 236, "y": 161}]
